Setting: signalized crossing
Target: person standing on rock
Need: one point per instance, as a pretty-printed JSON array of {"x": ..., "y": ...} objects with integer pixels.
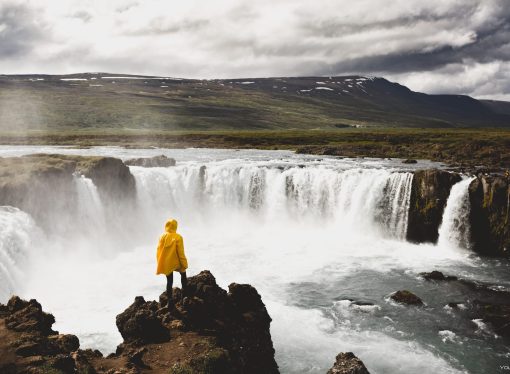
[{"x": 170, "y": 257}]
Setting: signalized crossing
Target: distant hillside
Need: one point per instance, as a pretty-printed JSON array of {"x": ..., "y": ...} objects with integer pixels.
[{"x": 99, "y": 100}]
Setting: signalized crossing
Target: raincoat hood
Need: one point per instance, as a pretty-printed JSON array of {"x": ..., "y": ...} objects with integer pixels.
[{"x": 171, "y": 225}]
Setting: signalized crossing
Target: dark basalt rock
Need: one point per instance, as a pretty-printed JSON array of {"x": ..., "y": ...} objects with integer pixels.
[
  {"x": 151, "y": 162},
  {"x": 406, "y": 297},
  {"x": 490, "y": 215},
  {"x": 430, "y": 191},
  {"x": 139, "y": 323},
  {"x": 348, "y": 363},
  {"x": 437, "y": 276},
  {"x": 111, "y": 176},
  {"x": 27, "y": 316},
  {"x": 218, "y": 332}
]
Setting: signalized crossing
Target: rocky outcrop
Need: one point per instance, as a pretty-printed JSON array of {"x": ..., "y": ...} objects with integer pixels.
[
  {"x": 490, "y": 215},
  {"x": 43, "y": 185},
  {"x": 111, "y": 176},
  {"x": 406, "y": 297},
  {"x": 210, "y": 331},
  {"x": 151, "y": 162},
  {"x": 348, "y": 363},
  {"x": 430, "y": 191}
]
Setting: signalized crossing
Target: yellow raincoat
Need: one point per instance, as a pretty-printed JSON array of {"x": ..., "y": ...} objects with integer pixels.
[{"x": 170, "y": 254}]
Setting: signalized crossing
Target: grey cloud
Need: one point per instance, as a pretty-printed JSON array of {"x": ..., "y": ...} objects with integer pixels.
[
  {"x": 160, "y": 26},
  {"x": 83, "y": 15},
  {"x": 19, "y": 30}
]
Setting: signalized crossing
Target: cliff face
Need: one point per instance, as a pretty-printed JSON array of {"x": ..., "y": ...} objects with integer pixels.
[
  {"x": 490, "y": 215},
  {"x": 43, "y": 185},
  {"x": 430, "y": 191},
  {"x": 211, "y": 331}
]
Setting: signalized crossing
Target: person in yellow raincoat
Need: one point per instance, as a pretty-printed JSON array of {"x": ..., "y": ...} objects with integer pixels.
[{"x": 170, "y": 257}]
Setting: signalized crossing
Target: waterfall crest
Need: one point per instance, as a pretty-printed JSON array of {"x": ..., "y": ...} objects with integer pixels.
[{"x": 358, "y": 198}]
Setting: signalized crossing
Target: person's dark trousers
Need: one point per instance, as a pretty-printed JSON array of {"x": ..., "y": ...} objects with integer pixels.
[{"x": 169, "y": 286}]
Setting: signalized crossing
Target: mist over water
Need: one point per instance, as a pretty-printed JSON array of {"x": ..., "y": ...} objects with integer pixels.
[{"x": 312, "y": 235}]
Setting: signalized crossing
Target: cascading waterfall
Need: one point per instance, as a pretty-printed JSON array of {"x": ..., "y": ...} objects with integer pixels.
[
  {"x": 90, "y": 209},
  {"x": 395, "y": 204},
  {"x": 17, "y": 231},
  {"x": 454, "y": 229},
  {"x": 353, "y": 199}
]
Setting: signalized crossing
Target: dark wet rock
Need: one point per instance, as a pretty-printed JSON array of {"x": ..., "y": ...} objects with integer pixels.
[
  {"x": 139, "y": 323},
  {"x": 410, "y": 161},
  {"x": 453, "y": 305},
  {"x": 437, "y": 276},
  {"x": 490, "y": 215},
  {"x": 111, "y": 176},
  {"x": 348, "y": 363},
  {"x": 406, "y": 297},
  {"x": 430, "y": 191},
  {"x": 151, "y": 162},
  {"x": 27, "y": 316}
]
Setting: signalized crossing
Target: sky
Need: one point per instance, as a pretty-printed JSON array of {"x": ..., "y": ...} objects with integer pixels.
[{"x": 433, "y": 46}]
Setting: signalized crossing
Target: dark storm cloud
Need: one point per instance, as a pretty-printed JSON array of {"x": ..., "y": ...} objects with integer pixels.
[{"x": 19, "y": 30}]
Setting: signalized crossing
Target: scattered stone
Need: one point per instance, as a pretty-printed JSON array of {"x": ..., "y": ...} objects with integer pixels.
[
  {"x": 406, "y": 297},
  {"x": 151, "y": 162},
  {"x": 437, "y": 276},
  {"x": 348, "y": 363}
]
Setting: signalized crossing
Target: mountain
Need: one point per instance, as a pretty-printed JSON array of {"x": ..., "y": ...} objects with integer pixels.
[{"x": 101, "y": 100}]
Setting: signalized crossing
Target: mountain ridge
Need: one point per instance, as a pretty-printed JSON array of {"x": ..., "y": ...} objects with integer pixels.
[{"x": 109, "y": 100}]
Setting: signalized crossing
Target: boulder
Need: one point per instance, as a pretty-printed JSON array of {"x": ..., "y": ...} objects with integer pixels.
[
  {"x": 430, "y": 191},
  {"x": 28, "y": 316},
  {"x": 348, "y": 363},
  {"x": 410, "y": 161},
  {"x": 139, "y": 323},
  {"x": 151, "y": 162},
  {"x": 406, "y": 297},
  {"x": 489, "y": 216},
  {"x": 437, "y": 276}
]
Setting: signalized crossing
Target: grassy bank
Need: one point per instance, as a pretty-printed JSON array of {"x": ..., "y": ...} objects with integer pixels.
[{"x": 465, "y": 147}]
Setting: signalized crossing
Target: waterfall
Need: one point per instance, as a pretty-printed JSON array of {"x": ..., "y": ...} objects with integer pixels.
[
  {"x": 454, "y": 229},
  {"x": 90, "y": 210},
  {"x": 358, "y": 198},
  {"x": 17, "y": 230}
]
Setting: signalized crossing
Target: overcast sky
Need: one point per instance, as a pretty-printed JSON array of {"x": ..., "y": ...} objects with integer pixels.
[{"x": 435, "y": 46}]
